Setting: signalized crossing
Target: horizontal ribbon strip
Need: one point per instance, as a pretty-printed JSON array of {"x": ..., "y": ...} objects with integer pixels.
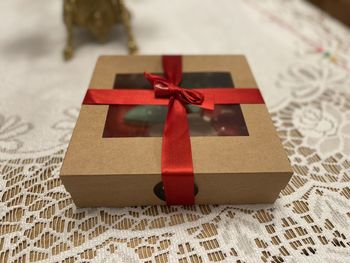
[{"x": 146, "y": 97}]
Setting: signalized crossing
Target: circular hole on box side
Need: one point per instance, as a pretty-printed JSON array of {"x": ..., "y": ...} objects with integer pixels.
[{"x": 159, "y": 190}]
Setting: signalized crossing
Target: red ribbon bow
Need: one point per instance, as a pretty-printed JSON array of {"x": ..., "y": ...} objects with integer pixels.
[
  {"x": 177, "y": 165},
  {"x": 165, "y": 89}
]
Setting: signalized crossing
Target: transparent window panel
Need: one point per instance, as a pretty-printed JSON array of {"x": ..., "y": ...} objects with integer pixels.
[{"x": 148, "y": 120}]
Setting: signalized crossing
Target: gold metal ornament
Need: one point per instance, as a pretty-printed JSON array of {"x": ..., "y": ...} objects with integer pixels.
[{"x": 99, "y": 16}]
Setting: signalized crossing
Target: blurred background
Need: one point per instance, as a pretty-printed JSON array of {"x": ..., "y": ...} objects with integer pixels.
[
  {"x": 299, "y": 52},
  {"x": 38, "y": 84}
]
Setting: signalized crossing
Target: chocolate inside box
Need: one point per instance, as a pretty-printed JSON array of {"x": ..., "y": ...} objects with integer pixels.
[{"x": 148, "y": 120}]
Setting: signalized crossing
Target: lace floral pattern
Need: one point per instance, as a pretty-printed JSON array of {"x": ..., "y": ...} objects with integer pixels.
[
  {"x": 67, "y": 125},
  {"x": 324, "y": 127},
  {"x": 309, "y": 222},
  {"x": 307, "y": 79},
  {"x": 10, "y": 130}
]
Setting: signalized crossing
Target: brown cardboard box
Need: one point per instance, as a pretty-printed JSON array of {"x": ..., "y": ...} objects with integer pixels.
[{"x": 123, "y": 171}]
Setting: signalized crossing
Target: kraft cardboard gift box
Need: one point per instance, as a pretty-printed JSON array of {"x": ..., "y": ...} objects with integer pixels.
[{"x": 114, "y": 156}]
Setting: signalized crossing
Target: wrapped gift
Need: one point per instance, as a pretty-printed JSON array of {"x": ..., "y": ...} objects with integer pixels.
[{"x": 191, "y": 130}]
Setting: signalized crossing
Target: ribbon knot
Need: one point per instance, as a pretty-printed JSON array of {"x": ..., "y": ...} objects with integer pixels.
[{"x": 164, "y": 88}]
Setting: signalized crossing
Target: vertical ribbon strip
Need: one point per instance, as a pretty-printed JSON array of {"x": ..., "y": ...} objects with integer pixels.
[{"x": 177, "y": 165}]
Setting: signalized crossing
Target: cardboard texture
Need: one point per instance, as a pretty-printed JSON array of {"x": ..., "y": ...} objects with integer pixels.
[{"x": 123, "y": 171}]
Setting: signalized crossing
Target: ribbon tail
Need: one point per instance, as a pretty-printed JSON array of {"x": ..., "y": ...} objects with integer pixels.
[{"x": 177, "y": 165}]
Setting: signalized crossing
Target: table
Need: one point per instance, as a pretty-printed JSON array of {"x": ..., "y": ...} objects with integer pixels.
[{"x": 301, "y": 59}]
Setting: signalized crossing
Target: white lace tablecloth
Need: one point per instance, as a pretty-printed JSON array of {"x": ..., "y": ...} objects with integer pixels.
[{"x": 301, "y": 59}]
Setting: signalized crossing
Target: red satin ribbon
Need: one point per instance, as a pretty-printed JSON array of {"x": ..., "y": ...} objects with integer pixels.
[
  {"x": 146, "y": 97},
  {"x": 177, "y": 165}
]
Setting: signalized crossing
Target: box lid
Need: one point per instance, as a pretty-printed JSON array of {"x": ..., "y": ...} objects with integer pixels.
[{"x": 90, "y": 154}]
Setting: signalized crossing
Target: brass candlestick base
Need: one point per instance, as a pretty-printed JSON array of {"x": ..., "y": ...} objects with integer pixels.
[{"x": 99, "y": 16}]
